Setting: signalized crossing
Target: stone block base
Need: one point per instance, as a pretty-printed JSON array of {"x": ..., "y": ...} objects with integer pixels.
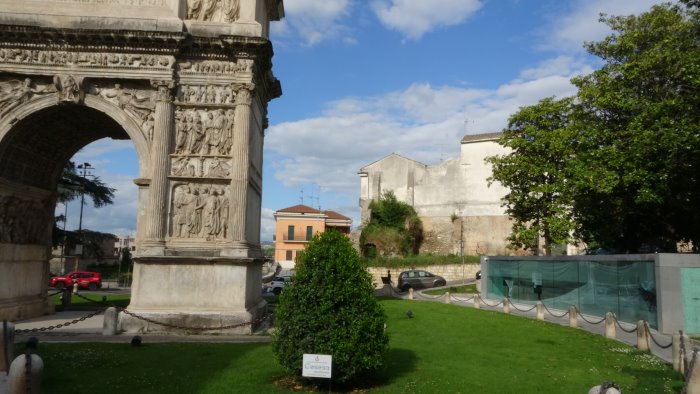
[
  {"x": 25, "y": 308},
  {"x": 194, "y": 322}
]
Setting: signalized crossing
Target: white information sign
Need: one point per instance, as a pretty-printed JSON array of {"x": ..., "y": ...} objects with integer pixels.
[{"x": 317, "y": 366}]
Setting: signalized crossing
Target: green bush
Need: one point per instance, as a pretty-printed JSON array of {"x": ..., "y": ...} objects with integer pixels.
[{"x": 329, "y": 308}]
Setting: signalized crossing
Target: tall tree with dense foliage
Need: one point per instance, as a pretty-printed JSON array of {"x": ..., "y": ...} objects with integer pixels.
[
  {"x": 639, "y": 138},
  {"x": 535, "y": 172},
  {"x": 393, "y": 228},
  {"x": 330, "y": 308},
  {"x": 620, "y": 162}
]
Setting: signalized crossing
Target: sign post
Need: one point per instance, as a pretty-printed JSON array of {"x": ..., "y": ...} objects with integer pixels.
[{"x": 317, "y": 366}]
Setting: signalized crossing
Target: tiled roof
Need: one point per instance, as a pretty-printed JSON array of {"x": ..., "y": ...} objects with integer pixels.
[
  {"x": 300, "y": 209},
  {"x": 481, "y": 137},
  {"x": 335, "y": 215}
]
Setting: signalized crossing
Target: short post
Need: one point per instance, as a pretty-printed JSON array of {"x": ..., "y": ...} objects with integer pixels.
[
  {"x": 410, "y": 293},
  {"x": 540, "y": 310},
  {"x": 447, "y": 298},
  {"x": 7, "y": 340},
  {"x": 25, "y": 374},
  {"x": 573, "y": 317},
  {"x": 676, "y": 351},
  {"x": 692, "y": 379},
  {"x": 109, "y": 326},
  {"x": 75, "y": 287},
  {"x": 506, "y": 305},
  {"x": 66, "y": 297},
  {"x": 477, "y": 302},
  {"x": 610, "y": 329},
  {"x": 642, "y": 336}
]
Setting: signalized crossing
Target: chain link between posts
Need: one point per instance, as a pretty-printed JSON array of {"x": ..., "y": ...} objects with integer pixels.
[
  {"x": 489, "y": 305},
  {"x": 553, "y": 314},
  {"x": 646, "y": 327},
  {"x": 461, "y": 300},
  {"x": 578, "y": 312},
  {"x": 521, "y": 310},
  {"x": 617, "y": 322}
]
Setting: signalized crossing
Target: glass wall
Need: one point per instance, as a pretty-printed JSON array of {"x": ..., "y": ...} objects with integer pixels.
[{"x": 627, "y": 288}]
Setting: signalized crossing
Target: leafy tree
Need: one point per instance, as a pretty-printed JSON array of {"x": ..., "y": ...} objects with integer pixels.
[
  {"x": 393, "y": 228},
  {"x": 329, "y": 308},
  {"x": 535, "y": 171},
  {"x": 639, "y": 139},
  {"x": 72, "y": 184}
]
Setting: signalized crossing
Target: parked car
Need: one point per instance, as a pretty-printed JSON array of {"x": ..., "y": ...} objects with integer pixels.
[
  {"x": 419, "y": 279},
  {"x": 85, "y": 279},
  {"x": 278, "y": 283}
]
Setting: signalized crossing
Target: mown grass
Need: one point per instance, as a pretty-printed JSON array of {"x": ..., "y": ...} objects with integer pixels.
[
  {"x": 442, "y": 349},
  {"x": 80, "y": 303}
]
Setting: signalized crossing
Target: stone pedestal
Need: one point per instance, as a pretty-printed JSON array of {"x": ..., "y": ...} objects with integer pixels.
[{"x": 199, "y": 293}]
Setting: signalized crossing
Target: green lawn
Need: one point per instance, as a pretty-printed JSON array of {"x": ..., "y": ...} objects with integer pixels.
[
  {"x": 442, "y": 349},
  {"x": 80, "y": 303}
]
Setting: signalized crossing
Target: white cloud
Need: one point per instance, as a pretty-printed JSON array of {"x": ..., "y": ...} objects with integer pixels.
[
  {"x": 421, "y": 122},
  {"x": 267, "y": 224},
  {"x": 414, "y": 18},
  {"x": 581, "y": 24},
  {"x": 313, "y": 20}
]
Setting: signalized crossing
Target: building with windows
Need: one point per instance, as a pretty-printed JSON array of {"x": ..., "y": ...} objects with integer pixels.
[{"x": 295, "y": 226}]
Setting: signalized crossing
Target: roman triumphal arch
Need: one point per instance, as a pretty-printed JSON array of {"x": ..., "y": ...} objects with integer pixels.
[{"x": 188, "y": 82}]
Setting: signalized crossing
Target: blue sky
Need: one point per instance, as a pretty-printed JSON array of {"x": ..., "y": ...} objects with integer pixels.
[{"x": 362, "y": 79}]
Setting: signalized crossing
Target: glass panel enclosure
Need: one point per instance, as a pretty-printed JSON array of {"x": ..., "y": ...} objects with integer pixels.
[{"x": 627, "y": 288}]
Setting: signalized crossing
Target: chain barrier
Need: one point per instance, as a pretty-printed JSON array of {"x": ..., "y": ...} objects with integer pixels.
[
  {"x": 426, "y": 296},
  {"x": 489, "y": 305},
  {"x": 521, "y": 310},
  {"x": 146, "y": 319},
  {"x": 586, "y": 320},
  {"x": 554, "y": 314},
  {"x": 646, "y": 326},
  {"x": 461, "y": 300},
  {"x": 68, "y": 323},
  {"x": 56, "y": 293},
  {"x": 617, "y": 322},
  {"x": 28, "y": 371}
]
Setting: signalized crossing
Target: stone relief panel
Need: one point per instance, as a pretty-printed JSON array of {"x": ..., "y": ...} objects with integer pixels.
[
  {"x": 200, "y": 211},
  {"x": 15, "y": 92},
  {"x": 201, "y": 94},
  {"x": 225, "y": 11},
  {"x": 204, "y": 131},
  {"x": 200, "y": 167},
  {"x": 139, "y": 103},
  {"x": 85, "y": 59},
  {"x": 23, "y": 221}
]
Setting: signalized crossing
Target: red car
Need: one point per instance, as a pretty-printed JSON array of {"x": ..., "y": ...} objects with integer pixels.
[{"x": 89, "y": 280}]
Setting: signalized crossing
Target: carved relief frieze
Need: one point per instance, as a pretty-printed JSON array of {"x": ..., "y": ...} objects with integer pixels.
[
  {"x": 15, "y": 92},
  {"x": 215, "y": 66},
  {"x": 200, "y": 167},
  {"x": 138, "y": 102},
  {"x": 200, "y": 211},
  {"x": 23, "y": 221},
  {"x": 205, "y": 94},
  {"x": 85, "y": 59},
  {"x": 204, "y": 131}
]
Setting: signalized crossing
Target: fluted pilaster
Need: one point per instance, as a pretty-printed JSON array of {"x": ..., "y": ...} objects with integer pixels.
[
  {"x": 240, "y": 153},
  {"x": 160, "y": 164}
]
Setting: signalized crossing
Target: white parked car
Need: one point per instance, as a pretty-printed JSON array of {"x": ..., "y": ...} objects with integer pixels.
[{"x": 277, "y": 284}]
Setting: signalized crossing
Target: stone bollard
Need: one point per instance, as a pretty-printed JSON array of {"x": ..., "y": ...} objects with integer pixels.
[
  {"x": 692, "y": 379},
  {"x": 66, "y": 297},
  {"x": 540, "y": 310},
  {"x": 610, "y": 329},
  {"x": 25, "y": 374},
  {"x": 573, "y": 317},
  {"x": 477, "y": 302},
  {"x": 410, "y": 293},
  {"x": 506, "y": 306},
  {"x": 7, "y": 340},
  {"x": 676, "y": 351},
  {"x": 75, "y": 287},
  {"x": 642, "y": 336},
  {"x": 447, "y": 298},
  {"x": 109, "y": 326}
]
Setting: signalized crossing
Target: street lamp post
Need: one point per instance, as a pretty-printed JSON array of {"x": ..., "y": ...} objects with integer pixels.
[{"x": 84, "y": 170}]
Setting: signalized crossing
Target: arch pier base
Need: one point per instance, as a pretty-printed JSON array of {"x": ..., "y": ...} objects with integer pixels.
[{"x": 200, "y": 293}]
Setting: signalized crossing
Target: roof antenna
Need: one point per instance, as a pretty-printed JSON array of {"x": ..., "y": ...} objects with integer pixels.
[{"x": 301, "y": 198}]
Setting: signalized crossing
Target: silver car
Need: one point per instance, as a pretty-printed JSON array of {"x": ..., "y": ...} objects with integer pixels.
[{"x": 419, "y": 279}]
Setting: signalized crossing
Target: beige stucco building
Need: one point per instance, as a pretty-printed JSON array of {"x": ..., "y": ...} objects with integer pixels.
[
  {"x": 295, "y": 226},
  {"x": 452, "y": 198}
]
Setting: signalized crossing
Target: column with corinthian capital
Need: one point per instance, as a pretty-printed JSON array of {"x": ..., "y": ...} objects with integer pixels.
[
  {"x": 240, "y": 152},
  {"x": 160, "y": 166}
]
